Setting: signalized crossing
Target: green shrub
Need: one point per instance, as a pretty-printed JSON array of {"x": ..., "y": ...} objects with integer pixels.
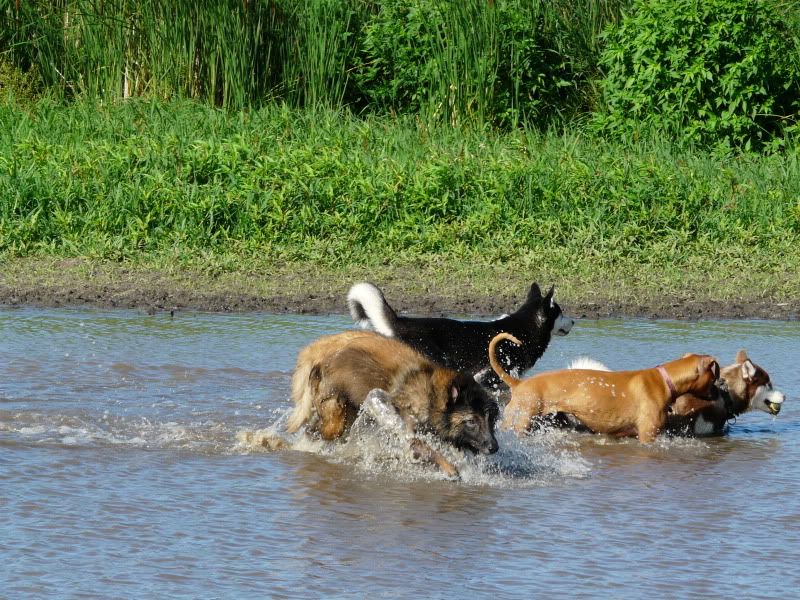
[
  {"x": 22, "y": 85},
  {"x": 710, "y": 72}
]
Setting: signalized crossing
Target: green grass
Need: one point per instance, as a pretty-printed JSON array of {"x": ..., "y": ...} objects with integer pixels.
[{"x": 180, "y": 183}]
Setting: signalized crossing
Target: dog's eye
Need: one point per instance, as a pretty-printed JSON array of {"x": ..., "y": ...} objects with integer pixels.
[{"x": 470, "y": 424}]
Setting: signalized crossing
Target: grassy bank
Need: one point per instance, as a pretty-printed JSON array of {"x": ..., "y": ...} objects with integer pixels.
[{"x": 184, "y": 186}]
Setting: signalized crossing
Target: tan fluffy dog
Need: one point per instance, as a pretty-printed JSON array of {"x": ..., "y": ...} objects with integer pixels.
[
  {"x": 624, "y": 403},
  {"x": 336, "y": 374}
]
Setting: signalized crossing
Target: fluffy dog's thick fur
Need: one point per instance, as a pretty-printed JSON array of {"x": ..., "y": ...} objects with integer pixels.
[
  {"x": 624, "y": 403},
  {"x": 461, "y": 345},
  {"x": 335, "y": 374}
]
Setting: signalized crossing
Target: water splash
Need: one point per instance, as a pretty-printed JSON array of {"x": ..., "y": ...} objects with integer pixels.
[{"x": 379, "y": 447}]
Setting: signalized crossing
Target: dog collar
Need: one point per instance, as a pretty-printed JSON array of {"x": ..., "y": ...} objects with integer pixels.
[
  {"x": 725, "y": 393},
  {"x": 668, "y": 381}
]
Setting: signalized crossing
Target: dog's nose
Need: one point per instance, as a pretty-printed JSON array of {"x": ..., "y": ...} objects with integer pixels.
[{"x": 493, "y": 446}]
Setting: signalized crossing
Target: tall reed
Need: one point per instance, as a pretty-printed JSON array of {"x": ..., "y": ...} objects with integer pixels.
[{"x": 472, "y": 58}]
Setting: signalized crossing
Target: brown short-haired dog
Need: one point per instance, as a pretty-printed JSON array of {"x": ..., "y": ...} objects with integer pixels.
[
  {"x": 624, "y": 403},
  {"x": 335, "y": 374}
]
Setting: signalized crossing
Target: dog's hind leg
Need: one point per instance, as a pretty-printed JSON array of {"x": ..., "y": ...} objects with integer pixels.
[{"x": 332, "y": 411}]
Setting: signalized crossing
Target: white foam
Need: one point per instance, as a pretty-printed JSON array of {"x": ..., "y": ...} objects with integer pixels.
[{"x": 380, "y": 448}]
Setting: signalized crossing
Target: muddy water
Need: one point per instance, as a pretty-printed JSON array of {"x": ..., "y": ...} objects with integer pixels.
[{"x": 128, "y": 469}]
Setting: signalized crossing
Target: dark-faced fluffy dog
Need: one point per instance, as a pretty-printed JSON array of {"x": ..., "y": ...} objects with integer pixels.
[
  {"x": 462, "y": 345},
  {"x": 335, "y": 374}
]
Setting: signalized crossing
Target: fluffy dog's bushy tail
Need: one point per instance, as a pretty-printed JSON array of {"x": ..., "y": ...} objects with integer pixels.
[
  {"x": 305, "y": 383},
  {"x": 369, "y": 308},
  {"x": 498, "y": 368}
]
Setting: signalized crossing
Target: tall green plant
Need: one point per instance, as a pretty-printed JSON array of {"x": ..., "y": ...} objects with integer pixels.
[
  {"x": 504, "y": 62},
  {"x": 226, "y": 52},
  {"x": 319, "y": 51}
]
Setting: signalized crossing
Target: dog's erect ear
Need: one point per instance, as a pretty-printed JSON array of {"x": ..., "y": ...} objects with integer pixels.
[
  {"x": 462, "y": 389},
  {"x": 551, "y": 296},
  {"x": 534, "y": 293},
  {"x": 748, "y": 370},
  {"x": 460, "y": 381},
  {"x": 741, "y": 356},
  {"x": 709, "y": 363}
]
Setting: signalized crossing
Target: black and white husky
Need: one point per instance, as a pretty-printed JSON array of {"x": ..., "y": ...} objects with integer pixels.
[{"x": 464, "y": 345}]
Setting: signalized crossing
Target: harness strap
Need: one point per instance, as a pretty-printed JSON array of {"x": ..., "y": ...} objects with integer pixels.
[
  {"x": 668, "y": 380},
  {"x": 725, "y": 394}
]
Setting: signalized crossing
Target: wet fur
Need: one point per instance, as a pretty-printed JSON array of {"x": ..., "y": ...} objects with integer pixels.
[
  {"x": 743, "y": 380},
  {"x": 461, "y": 345},
  {"x": 335, "y": 374},
  {"x": 623, "y": 403}
]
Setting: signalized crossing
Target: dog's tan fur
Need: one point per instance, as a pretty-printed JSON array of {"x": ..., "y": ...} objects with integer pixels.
[
  {"x": 335, "y": 374},
  {"x": 624, "y": 403}
]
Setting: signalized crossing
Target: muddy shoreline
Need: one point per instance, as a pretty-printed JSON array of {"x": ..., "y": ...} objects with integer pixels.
[{"x": 294, "y": 290}]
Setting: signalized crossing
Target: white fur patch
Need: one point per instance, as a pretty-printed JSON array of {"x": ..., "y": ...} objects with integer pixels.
[
  {"x": 703, "y": 427},
  {"x": 766, "y": 394},
  {"x": 589, "y": 364},
  {"x": 480, "y": 375},
  {"x": 368, "y": 308}
]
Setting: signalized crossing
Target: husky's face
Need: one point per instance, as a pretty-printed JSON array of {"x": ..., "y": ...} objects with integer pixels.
[
  {"x": 550, "y": 315},
  {"x": 768, "y": 399},
  {"x": 762, "y": 395},
  {"x": 752, "y": 383},
  {"x": 471, "y": 416}
]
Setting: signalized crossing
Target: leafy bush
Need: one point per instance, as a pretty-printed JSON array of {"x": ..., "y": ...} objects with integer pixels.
[
  {"x": 716, "y": 71},
  {"x": 22, "y": 85}
]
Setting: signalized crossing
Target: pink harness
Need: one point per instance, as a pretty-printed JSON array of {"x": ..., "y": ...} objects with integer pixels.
[{"x": 668, "y": 381}]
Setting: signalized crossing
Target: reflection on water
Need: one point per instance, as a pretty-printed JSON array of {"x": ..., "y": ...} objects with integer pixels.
[{"x": 126, "y": 471}]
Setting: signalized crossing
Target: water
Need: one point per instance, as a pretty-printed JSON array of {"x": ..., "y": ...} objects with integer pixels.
[{"x": 130, "y": 467}]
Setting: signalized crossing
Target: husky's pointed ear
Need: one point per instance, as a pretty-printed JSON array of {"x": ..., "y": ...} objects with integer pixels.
[
  {"x": 534, "y": 293},
  {"x": 741, "y": 356},
  {"x": 748, "y": 370},
  {"x": 551, "y": 295}
]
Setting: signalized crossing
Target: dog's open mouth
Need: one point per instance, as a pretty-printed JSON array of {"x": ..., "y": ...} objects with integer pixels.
[{"x": 773, "y": 407}]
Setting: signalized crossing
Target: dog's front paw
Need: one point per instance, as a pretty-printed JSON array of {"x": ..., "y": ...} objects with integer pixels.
[{"x": 423, "y": 452}]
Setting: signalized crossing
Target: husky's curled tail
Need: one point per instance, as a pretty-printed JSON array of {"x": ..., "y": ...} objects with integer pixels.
[
  {"x": 589, "y": 364},
  {"x": 369, "y": 309}
]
